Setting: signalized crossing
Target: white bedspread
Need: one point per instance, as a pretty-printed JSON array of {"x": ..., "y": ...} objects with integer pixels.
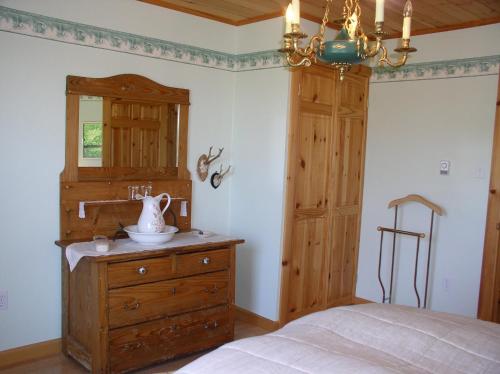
[{"x": 370, "y": 338}]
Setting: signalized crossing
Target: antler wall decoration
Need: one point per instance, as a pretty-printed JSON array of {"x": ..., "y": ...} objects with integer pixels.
[
  {"x": 204, "y": 163},
  {"x": 217, "y": 177}
]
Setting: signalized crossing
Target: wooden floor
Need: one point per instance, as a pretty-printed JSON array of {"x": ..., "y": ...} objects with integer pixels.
[{"x": 60, "y": 364}]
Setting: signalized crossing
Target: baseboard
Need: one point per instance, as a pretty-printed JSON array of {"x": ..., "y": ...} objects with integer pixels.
[
  {"x": 358, "y": 300},
  {"x": 254, "y": 319},
  {"x": 30, "y": 352}
]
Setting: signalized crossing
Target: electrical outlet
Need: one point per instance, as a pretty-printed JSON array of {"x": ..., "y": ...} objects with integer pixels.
[
  {"x": 444, "y": 167},
  {"x": 4, "y": 300}
]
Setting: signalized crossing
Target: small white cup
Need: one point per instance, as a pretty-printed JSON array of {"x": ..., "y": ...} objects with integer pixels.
[{"x": 101, "y": 243}]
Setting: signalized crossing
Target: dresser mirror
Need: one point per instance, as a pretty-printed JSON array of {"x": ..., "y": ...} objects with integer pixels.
[
  {"x": 125, "y": 127},
  {"x": 134, "y": 134}
]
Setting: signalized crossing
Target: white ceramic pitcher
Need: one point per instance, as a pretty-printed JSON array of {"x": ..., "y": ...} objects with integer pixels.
[{"x": 151, "y": 219}]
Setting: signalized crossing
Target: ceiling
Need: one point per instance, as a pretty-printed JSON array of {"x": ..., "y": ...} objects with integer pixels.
[{"x": 428, "y": 15}]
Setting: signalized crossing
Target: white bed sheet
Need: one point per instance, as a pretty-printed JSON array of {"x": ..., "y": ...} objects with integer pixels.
[{"x": 370, "y": 338}]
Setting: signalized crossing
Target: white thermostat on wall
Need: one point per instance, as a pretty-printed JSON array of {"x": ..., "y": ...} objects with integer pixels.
[{"x": 444, "y": 167}]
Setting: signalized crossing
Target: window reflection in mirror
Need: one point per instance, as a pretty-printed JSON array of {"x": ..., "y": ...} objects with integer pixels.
[
  {"x": 124, "y": 133},
  {"x": 90, "y": 131}
]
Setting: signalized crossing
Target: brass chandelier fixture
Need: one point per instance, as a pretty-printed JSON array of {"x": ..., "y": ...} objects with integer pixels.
[{"x": 351, "y": 45}]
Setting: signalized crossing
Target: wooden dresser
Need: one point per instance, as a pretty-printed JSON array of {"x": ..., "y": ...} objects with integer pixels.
[{"x": 123, "y": 312}]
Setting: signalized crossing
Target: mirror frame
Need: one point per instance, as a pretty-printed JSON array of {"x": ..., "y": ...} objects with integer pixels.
[{"x": 124, "y": 86}]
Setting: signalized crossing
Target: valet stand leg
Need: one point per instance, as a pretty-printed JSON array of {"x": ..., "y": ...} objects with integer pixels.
[
  {"x": 99, "y": 310},
  {"x": 380, "y": 266}
]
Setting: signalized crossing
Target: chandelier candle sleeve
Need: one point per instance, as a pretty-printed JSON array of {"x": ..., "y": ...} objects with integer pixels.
[
  {"x": 379, "y": 11},
  {"x": 288, "y": 19},
  {"x": 407, "y": 13},
  {"x": 296, "y": 11}
]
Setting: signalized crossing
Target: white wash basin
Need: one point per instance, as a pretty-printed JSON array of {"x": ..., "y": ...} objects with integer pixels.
[{"x": 151, "y": 238}]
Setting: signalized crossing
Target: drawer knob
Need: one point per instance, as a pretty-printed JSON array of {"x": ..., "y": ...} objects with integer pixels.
[
  {"x": 131, "y": 307},
  {"x": 213, "y": 326},
  {"x": 142, "y": 270},
  {"x": 212, "y": 290},
  {"x": 132, "y": 346},
  {"x": 205, "y": 260}
]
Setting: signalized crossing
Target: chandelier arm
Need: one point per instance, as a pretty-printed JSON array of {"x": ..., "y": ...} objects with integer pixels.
[
  {"x": 385, "y": 59},
  {"x": 316, "y": 39},
  {"x": 372, "y": 52},
  {"x": 304, "y": 61}
]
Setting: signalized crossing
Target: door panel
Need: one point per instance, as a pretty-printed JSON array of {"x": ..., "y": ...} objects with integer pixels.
[
  {"x": 312, "y": 167},
  {"x": 308, "y": 266}
]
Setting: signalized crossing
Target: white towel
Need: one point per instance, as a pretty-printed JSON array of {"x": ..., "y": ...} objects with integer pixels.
[
  {"x": 81, "y": 209},
  {"x": 75, "y": 251}
]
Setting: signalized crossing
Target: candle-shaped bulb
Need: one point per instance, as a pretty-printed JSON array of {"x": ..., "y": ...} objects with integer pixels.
[
  {"x": 407, "y": 13},
  {"x": 379, "y": 11},
  {"x": 289, "y": 19},
  {"x": 296, "y": 11},
  {"x": 353, "y": 25},
  {"x": 408, "y": 10}
]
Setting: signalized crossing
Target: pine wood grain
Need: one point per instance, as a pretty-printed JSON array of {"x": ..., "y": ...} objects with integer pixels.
[
  {"x": 324, "y": 184},
  {"x": 428, "y": 16}
]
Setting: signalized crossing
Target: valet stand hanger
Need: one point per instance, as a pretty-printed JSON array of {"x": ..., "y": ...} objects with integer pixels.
[{"x": 435, "y": 209}]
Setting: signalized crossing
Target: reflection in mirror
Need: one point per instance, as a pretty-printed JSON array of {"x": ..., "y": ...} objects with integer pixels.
[
  {"x": 124, "y": 133},
  {"x": 90, "y": 131}
]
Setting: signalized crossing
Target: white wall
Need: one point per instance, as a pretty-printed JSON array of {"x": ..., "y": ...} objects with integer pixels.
[
  {"x": 413, "y": 125},
  {"x": 259, "y": 153},
  {"x": 136, "y": 17},
  {"x": 453, "y": 45},
  {"x": 32, "y": 119}
]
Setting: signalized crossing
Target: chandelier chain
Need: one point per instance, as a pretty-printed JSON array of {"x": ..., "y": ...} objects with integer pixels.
[{"x": 325, "y": 18}]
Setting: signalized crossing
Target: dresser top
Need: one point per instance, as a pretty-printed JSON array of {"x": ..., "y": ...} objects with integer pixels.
[{"x": 170, "y": 250}]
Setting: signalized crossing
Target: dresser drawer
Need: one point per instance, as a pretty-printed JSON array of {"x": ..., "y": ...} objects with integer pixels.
[
  {"x": 134, "y": 304},
  {"x": 202, "y": 262},
  {"x": 139, "y": 271},
  {"x": 155, "y": 269},
  {"x": 134, "y": 346}
]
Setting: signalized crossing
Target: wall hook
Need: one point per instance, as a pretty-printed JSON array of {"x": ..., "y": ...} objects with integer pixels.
[
  {"x": 217, "y": 177},
  {"x": 204, "y": 163}
]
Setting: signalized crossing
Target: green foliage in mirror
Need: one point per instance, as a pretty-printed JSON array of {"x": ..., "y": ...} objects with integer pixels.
[{"x": 92, "y": 140}]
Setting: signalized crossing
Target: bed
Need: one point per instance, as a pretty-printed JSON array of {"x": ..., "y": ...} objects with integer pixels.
[{"x": 369, "y": 338}]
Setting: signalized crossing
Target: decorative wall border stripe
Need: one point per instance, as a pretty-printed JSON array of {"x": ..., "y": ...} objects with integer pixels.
[
  {"x": 469, "y": 67},
  {"x": 35, "y": 25},
  {"x": 25, "y": 23}
]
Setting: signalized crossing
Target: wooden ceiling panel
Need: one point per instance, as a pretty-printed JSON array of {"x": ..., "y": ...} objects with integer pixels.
[{"x": 428, "y": 15}]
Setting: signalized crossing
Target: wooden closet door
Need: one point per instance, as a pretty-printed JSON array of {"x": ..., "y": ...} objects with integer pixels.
[
  {"x": 323, "y": 198},
  {"x": 346, "y": 187},
  {"x": 305, "y": 258}
]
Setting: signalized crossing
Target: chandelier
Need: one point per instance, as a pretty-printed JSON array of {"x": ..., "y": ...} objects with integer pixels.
[{"x": 351, "y": 46}]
